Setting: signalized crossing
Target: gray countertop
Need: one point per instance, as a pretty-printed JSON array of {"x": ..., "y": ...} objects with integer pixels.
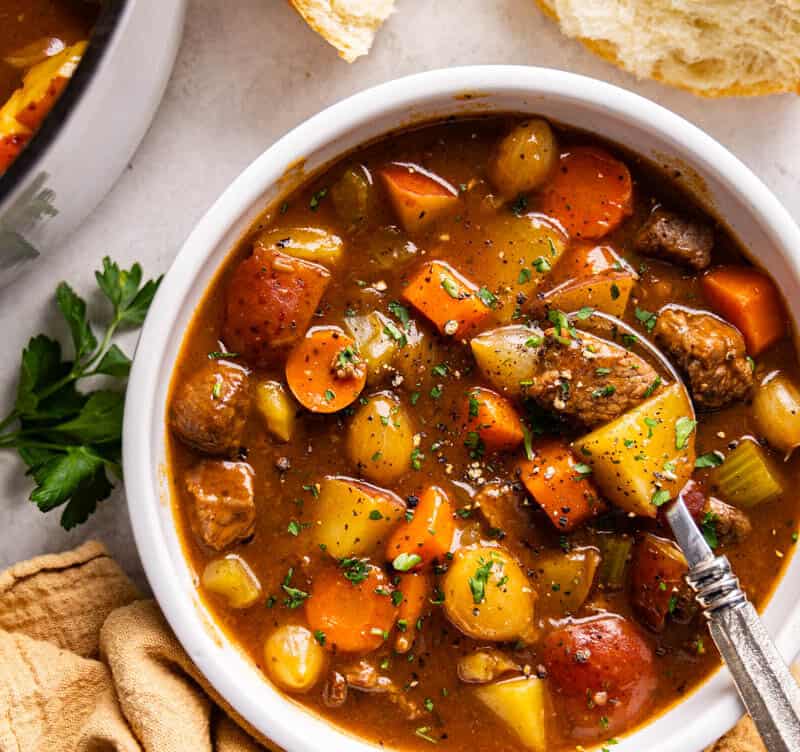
[{"x": 249, "y": 71}]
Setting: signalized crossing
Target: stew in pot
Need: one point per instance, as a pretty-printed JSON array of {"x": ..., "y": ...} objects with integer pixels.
[
  {"x": 420, "y": 443},
  {"x": 41, "y": 44}
]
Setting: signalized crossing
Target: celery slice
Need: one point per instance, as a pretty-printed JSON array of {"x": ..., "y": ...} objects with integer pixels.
[
  {"x": 747, "y": 477},
  {"x": 616, "y": 551}
]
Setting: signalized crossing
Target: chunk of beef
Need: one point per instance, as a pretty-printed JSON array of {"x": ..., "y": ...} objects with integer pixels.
[
  {"x": 674, "y": 238},
  {"x": 223, "y": 509},
  {"x": 589, "y": 378},
  {"x": 709, "y": 351},
  {"x": 210, "y": 408},
  {"x": 365, "y": 677},
  {"x": 731, "y": 524},
  {"x": 503, "y": 506}
]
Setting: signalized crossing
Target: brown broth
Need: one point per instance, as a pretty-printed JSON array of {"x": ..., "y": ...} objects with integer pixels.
[{"x": 458, "y": 150}]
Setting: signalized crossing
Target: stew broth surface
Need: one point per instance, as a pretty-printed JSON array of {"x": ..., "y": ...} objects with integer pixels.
[{"x": 374, "y": 270}]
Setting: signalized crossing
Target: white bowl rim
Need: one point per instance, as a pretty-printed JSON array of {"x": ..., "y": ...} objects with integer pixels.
[{"x": 717, "y": 697}]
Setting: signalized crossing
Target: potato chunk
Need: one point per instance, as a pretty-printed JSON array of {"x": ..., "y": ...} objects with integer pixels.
[
  {"x": 488, "y": 596},
  {"x": 607, "y": 292},
  {"x": 380, "y": 439},
  {"x": 294, "y": 659},
  {"x": 354, "y": 517},
  {"x": 644, "y": 457},
  {"x": 524, "y": 158},
  {"x": 565, "y": 581},
  {"x": 307, "y": 243},
  {"x": 277, "y": 408},
  {"x": 508, "y": 356},
  {"x": 231, "y": 578},
  {"x": 523, "y": 704}
]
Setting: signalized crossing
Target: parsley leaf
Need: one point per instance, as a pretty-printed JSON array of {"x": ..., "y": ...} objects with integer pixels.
[
  {"x": 711, "y": 459},
  {"x": 683, "y": 430}
]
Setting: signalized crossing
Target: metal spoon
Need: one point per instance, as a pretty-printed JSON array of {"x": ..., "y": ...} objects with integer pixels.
[{"x": 768, "y": 690}]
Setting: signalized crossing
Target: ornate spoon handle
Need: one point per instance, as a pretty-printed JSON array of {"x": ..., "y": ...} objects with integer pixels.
[{"x": 765, "y": 685}]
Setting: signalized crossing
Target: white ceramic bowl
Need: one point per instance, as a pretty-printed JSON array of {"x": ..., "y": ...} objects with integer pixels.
[{"x": 752, "y": 212}]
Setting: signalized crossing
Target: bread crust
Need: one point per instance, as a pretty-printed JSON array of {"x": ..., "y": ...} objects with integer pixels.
[{"x": 607, "y": 51}]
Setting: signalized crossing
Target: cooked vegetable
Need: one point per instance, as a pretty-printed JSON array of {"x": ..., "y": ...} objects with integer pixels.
[
  {"x": 427, "y": 536},
  {"x": 308, "y": 243},
  {"x": 491, "y": 422},
  {"x": 588, "y": 259},
  {"x": 523, "y": 704},
  {"x": 776, "y": 408},
  {"x": 270, "y": 299},
  {"x": 352, "y": 606},
  {"x": 748, "y": 299},
  {"x": 353, "y": 517},
  {"x": 376, "y": 343},
  {"x": 607, "y": 292},
  {"x": 657, "y": 585},
  {"x": 294, "y": 659},
  {"x": 447, "y": 298},
  {"x": 561, "y": 484},
  {"x": 231, "y": 578},
  {"x": 380, "y": 438},
  {"x": 415, "y": 589},
  {"x": 615, "y": 551},
  {"x": 387, "y": 248},
  {"x": 487, "y": 595},
  {"x": 69, "y": 439},
  {"x": 418, "y": 196},
  {"x": 277, "y": 408},
  {"x": 353, "y": 195},
  {"x": 643, "y": 458},
  {"x": 565, "y": 581},
  {"x": 747, "y": 477},
  {"x": 325, "y": 371},
  {"x": 590, "y": 193},
  {"x": 524, "y": 158},
  {"x": 606, "y": 667},
  {"x": 485, "y": 665},
  {"x": 508, "y": 356}
]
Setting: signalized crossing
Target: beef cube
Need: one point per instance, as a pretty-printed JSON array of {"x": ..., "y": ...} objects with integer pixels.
[{"x": 673, "y": 238}]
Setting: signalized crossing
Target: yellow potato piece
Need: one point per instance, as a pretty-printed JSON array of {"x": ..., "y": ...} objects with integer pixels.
[
  {"x": 524, "y": 158},
  {"x": 354, "y": 518},
  {"x": 521, "y": 703},
  {"x": 278, "y": 409},
  {"x": 607, "y": 292},
  {"x": 233, "y": 579},
  {"x": 294, "y": 659},
  {"x": 507, "y": 356},
  {"x": 565, "y": 581},
  {"x": 635, "y": 459}
]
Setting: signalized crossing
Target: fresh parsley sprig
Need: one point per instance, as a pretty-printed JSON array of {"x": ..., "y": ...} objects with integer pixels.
[{"x": 70, "y": 439}]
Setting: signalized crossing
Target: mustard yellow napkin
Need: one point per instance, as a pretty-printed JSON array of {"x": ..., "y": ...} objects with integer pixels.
[{"x": 88, "y": 665}]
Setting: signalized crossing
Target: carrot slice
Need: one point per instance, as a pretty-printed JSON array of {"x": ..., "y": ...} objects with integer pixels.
[
  {"x": 492, "y": 421},
  {"x": 415, "y": 589},
  {"x": 427, "y": 536},
  {"x": 558, "y": 482},
  {"x": 355, "y": 613},
  {"x": 419, "y": 197},
  {"x": 447, "y": 298},
  {"x": 750, "y": 300},
  {"x": 590, "y": 194},
  {"x": 324, "y": 370}
]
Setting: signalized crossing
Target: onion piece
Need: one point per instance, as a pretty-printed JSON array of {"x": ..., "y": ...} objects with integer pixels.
[{"x": 776, "y": 408}]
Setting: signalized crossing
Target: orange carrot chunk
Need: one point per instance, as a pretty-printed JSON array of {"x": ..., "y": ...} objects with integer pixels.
[
  {"x": 492, "y": 422},
  {"x": 425, "y": 538},
  {"x": 351, "y": 608},
  {"x": 561, "y": 485},
  {"x": 415, "y": 590},
  {"x": 325, "y": 371},
  {"x": 590, "y": 194},
  {"x": 447, "y": 298},
  {"x": 748, "y": 299},
  {"x": 419, "y": 197}
]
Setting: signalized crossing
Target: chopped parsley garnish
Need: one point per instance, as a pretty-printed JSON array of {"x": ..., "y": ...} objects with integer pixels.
[
  {"x": 583, "y": 470},
  {"x": 436, "y": 391},
  {"x": 390, "y": 328},
  {"x": 561, "y": 323},
  {"x": 356, "y": 570},
  {"x": 683, "y": 430},
  {"x": 486, "y": 297},
  {"x": 614, "y": 291},
  {"x": 414, "y": 398},
  {"x": 217, "y": 354},
  {"x": 660, "y": 497},
  {"x": 293, "y": 528},
  {"x": 400, "y": 312},
  {"x": 711, "y": 459},
  {"x": 519, "y": 206},
  {"x": 405, "y": 562},
  {"x": 216, "y": 390},
  {"x": 650, "y": 389},
  {"x": 527, "y": 443},
  {"x": 602, "y": 371},
  {"x": 477, "y": 583},
  {"x": 651, "y": 423},
  {"x": 585, "y": 313},
  {"x": 294, "y": 597},
  {"x": 474, "y": 406},
  {"x": 533, "y": 342},
  {"x": 375, "y": 514},
  {"x": 439, "y": 370},
  {"x": 524, "y": 276},
  {"x": 474, "y": 443},
  {"x": 422, "y": 733},
  {"x": 397, "y": 598},
  {"x": 450, "y": 287},
  {"x": 329, "y": 395},
  {"x": 604, "y": 391},
  {"x": 542, "y": 265},
  {"x": 417, "y": 458},
  {"x": 709, "y": 529},
  {"x": 319, "y": 636},
  {"x": 316, "y": 199},
  {"x": 647, "y": 318}
]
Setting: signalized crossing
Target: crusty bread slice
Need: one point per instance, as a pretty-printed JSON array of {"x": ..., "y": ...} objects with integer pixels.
[
  {"x": 711, "y": 47},
  {"x": 349, "y": 25}
]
